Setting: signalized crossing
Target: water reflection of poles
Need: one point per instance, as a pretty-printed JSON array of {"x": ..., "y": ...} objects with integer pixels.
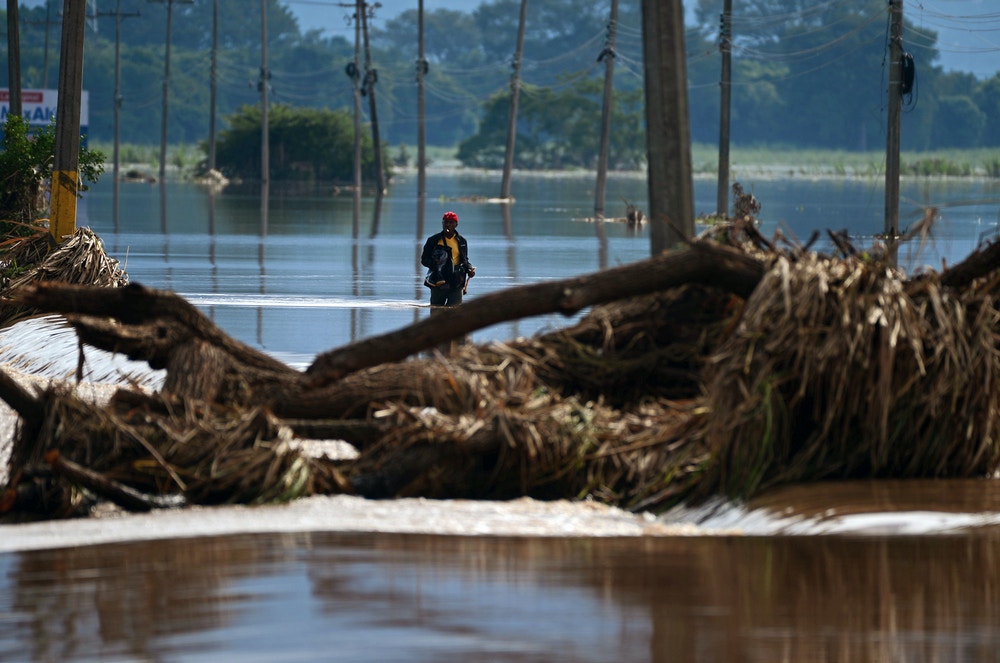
[
  {"x": 211, "y": 249},
  {"x": 419, "y": 294},
  {"x": 377, "y": 214},
  {"x": 263, "y": 291},
  {"x": 602, "y": 243},
  {"x": 508, "y": 232},
  {"x": 355, "y": 288},
  {"x": 164, "y": 233}
]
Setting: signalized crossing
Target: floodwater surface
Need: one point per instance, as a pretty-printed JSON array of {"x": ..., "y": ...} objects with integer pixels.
[{"x": 379, "y": 597}]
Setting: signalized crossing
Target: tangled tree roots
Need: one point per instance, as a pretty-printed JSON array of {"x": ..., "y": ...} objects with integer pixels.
[{"x": 732, "y": 367}]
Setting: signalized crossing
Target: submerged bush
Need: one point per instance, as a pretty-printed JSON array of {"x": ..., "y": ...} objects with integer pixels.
[{"x": 304, "y": 144}]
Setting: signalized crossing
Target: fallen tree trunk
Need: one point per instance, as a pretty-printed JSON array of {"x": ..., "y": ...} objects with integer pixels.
[
  {"x": 705, "y": 263},
  {"x": 203, "y": 362}
]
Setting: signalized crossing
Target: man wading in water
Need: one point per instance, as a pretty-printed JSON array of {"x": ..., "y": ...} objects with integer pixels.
[{"x": 446, "y": 257}]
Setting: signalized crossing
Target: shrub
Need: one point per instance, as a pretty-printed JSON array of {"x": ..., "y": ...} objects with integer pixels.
[{"x": 26, "y": 161}]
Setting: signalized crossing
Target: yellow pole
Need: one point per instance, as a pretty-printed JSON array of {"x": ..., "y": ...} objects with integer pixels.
[{"x": 65, "y": 174}]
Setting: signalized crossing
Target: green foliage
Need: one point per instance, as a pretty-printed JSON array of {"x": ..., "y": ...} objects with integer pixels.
[
  {"x": 559, "y": 128},
  {"x": 304, "y": 144},
  {"x": 26, "y": 162}
]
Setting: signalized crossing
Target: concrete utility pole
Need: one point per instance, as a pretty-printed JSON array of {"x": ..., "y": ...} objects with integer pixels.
[
  {"x": 725, "y": 101},
  {"x": 893, "y": 130},
  {"x": 166, "y": 84},
  {"x": 608, "y": 55},
  {"x": 668, "y": 138},
  {"x": 421, "y": 129},
  {"x": 66, "y": 166},
  {"x": 515, "y": 92},
  {"x": 371, "y": 76},
  {"x": 14, "y": 58}
]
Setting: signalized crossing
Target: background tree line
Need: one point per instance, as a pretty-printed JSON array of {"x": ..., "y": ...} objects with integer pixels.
[{"x": 804, "y": 75}]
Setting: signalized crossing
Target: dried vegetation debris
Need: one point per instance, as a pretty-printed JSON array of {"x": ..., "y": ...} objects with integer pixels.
[{"x": 833, "y": 366}]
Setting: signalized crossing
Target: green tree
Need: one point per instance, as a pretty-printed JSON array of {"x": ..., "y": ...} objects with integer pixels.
[
  {"x": 558, "y": 128},
  {"x": 958, "y": 123},
  {"x": 987, "y": 97},
  {"x": 26, "y": 161},
  {"x": 305, "y": 144}
]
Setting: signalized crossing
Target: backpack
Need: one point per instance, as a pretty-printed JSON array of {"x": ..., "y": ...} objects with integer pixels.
[{"x": 442, "y": 274}]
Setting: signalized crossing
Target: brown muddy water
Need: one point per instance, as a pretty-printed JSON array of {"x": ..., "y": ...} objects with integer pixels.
[{"x": 901, "y": 571}]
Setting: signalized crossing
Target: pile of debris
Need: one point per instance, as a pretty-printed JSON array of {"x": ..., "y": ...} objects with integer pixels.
[{"x": 727, "y": 367}]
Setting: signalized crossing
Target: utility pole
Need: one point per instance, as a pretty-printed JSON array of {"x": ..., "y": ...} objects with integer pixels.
[
  {"x": 265, "y": 77},
  {"x": 14, "y": 58},
  {"x": 213, "y": 84},
  {"x": 354, "y": 73},
  {"x": 45, "y": 58},
  {"x": 668, "y": 138},
  {"x": 117, "y": 102},
  {"x": 725, "y": 102},
  {"x": 608, "y": 55},
  {"x": 371, "y": 76},
  {"x": 421, "y": 130},
  {"x": 66, "y": 165},
  {"x": 515, "y": 91},
  {"x": 265, "y": 156},
  {"x": 893, "y": 130},
  {"x": 166, "y": 85}
]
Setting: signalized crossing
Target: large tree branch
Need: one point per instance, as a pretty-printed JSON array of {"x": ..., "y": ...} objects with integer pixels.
[{"x": 703, "y": 262}]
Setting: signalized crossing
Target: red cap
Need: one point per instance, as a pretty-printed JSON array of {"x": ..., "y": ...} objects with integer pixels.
[{"x": 450, "y": 216}]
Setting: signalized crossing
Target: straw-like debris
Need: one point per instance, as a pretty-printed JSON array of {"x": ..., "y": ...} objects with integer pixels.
[{"x": 726, "y": 368}]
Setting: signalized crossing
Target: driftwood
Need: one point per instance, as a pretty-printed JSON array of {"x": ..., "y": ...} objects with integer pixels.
[{"x": 666, "y": 390}]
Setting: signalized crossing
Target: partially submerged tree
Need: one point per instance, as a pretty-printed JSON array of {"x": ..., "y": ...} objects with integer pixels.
[{"x": 306, "y": 144}]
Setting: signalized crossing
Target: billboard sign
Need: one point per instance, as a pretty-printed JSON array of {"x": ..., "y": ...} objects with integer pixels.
[{"x": 39, "y": 107}]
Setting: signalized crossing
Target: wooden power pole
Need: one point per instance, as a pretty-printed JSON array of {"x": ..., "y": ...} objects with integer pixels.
[
  {"x": 213, "y": 75},
  {"x": 895, "y": 93},
  {"x": 14, "y": 58},
  {"x": 725, "y": 102},
  {"x": 421, "y": 130},
  {"x": 166, "y": 85},
  {"x": 668, "y": 138},
  {"x": 66, "y": 166},
  {"x": 371, "y": 76},
  {"x": 515, "y": 91},
  {"x": 608, "y": 55},
  {"x": 116, "y": 159}
]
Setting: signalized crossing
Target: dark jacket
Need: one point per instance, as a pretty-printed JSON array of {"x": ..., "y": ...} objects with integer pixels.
[{"x": 463, "y": 266}]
